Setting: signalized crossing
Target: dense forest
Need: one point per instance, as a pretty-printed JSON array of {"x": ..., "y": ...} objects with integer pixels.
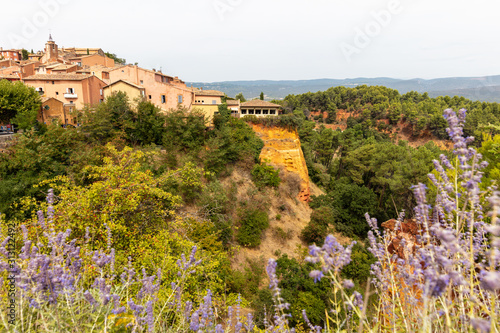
[
  {"x": 372, "y": 104},
  {"x": 140, "y": 189}
]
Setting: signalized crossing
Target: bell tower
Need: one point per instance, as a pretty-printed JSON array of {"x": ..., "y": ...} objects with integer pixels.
[{"x": 51, "y": 50}]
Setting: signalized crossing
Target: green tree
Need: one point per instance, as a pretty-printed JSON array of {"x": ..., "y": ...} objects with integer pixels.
[
  {"x": 230, "y": 142},
  {"x": 262, "y": 96},
  {"x": 19, "y": 104},
  {"x": 115, "y": 58},
  {"x": 253, "y": 222},
  {"x": 35, "y": 157},
  {"x": 240, "y": 97},
  {"x": 350, "y": 203},
  {"x": 265, "y": 175},
  {"x": 25, "y": 55},
  {"x": 108, "y": 120},
  {"x": 184, "y": 131},
  {"x": 149, "y": 124}
]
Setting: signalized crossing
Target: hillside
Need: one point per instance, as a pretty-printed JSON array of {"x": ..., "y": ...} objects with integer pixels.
[{"x": 485, "y": 88}]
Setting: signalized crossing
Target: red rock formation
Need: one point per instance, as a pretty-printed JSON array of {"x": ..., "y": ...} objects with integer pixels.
[{"x": 407, "y": 230}]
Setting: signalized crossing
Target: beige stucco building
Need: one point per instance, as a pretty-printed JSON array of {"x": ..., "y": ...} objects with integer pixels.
[
  {"x": 92, "y": 60},
  {"x": 208, "y": 102},
  {"x": 14, "y": 55},
  {"x": 54, "y": 111},
  {"x": 133, "y": 91},
  {"x": 162, "y": 90},
  {"x": 259, "y": 108},
  {"x": 72, "y": 89}
]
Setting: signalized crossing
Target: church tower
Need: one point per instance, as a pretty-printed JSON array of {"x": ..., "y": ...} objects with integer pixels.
[{"x": 51, "y": 50}]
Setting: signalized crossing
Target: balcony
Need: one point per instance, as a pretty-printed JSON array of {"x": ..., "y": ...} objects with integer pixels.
[{"x": 69, "y": 96}]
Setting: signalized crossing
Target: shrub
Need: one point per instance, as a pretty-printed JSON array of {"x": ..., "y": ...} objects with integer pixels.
[
  {"x": 288, "y": 121},
  {"x": 314, "y": 233},
  {"x": 265, "y": 175},
  {"x": 282, "y": 235},
  {"x": 252, "y": 225},
  {"x": 291, "y": 183},
  {"x": 317, "y": 228}
]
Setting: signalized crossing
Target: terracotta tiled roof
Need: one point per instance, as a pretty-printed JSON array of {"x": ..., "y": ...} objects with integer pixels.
[
  {"x": 232, "y": 102},
  {"x": 257, "y": 103},
  {"x": 8, "y": 76},
  {"x": 142, "y": 69},
  {"x": 62, "y": 67},
  {"x": 45, "y": 99},
  {"x": 96, "y": 68},
  {"x": 127, "y": 82},
  {"x": 57, "y": 77},
  {"x": 208, "y": 93}
]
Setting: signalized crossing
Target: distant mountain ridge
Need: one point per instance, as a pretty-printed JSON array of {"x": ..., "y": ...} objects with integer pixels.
[{"x": 484, "y": 88}]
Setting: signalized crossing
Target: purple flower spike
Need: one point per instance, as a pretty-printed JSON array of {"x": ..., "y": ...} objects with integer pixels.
[
  {"x": 481, "y": 325},
  {"x": 490, "y": 281}
]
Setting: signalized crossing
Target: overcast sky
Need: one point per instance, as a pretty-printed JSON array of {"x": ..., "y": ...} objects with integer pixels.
[{"x": 222, "y": 40}]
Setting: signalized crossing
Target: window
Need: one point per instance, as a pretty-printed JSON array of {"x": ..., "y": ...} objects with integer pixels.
[
  {"x": 243, "y": 111},
  {"x": 101, "y": 92},
  {"x": 57, "y": 93},
  {"x": 53, "y": 82},
  {"x": 71, "y": 91},
  {"x": 149, "y": 96},
  {"x": 70, "y": 102},
  {"x": 214, "y": 101},
  {"x": 142, "y": 82},
  {"x": 163, "y": 99},
  {"x": 257, "y": 111},
  {"x": 273, "y": 111},
  {"x": 179, "y": 99},
  {"x": 250, "y": 111},
  {"x": 265, "y": 111}
]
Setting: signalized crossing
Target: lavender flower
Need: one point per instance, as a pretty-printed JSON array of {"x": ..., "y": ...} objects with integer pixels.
[
  {"x": 150, "y": 320},
  {"x": 88, "y": 296},
  {"x": 490, "y": 281},
  {"x": 194, "y": 325},
  {"x": 348, "y": 284},
  {"x": 331, "y": 255},
  {"x": 481, "y": 325}
]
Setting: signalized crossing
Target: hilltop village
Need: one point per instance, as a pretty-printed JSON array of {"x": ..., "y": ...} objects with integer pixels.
[{"x": 68, "y": 79}]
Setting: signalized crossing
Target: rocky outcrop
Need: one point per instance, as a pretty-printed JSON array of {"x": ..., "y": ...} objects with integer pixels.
[
  {"x": 408, "y": 231},
  {"x": 282, "y": 148}
]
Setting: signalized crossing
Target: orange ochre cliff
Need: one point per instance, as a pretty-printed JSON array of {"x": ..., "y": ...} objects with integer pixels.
[{"x": 282, "y": 148}]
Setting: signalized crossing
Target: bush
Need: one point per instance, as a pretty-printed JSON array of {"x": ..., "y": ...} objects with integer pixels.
[
  {"x": 291, "y": 183},
  {"x": 252, "y": 224},
  {"x": 314, "y": 233},
  {"x": 288, "y": 121},
  {"x": 359, "y": 268},
  {"x": 265, "y": 175},
  {"x": 281, "y": 235},
  {"x": 230, "y": 142},
  {"x": 317, "y": 228}
]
